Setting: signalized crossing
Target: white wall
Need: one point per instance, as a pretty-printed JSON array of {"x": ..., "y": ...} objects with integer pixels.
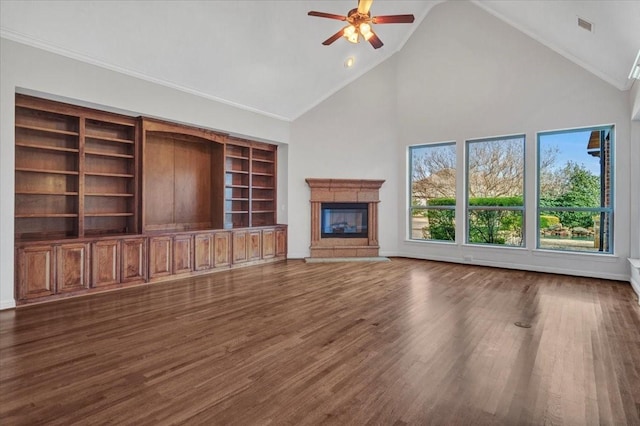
[
  {"x": 31, "y": 70},
  {"x": 634, "y": 198},
  {"x": 465, "y": 74},
  {"x": 351, "y": 135},
  {"x": 634, "y": 99}
]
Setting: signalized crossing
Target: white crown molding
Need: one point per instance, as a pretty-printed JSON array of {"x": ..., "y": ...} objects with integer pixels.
[{"x": 52, "y": 48}]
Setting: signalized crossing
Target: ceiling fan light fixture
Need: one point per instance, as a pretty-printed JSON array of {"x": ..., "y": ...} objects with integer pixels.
[{"x": 360, "y": 22}]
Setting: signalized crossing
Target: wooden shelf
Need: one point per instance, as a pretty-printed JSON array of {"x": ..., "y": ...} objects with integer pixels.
[
  {"x": 60, "y": 193},
  {"x": 33, "y": 215},
  {"x": 108, "y": 214},
  {"x": 45, "y": 129},
  {"x": 55, "y": 172},
  {"x": 261, "y": 171},
  {"x": 107, "y": 194},
  {"x": 45, "y": 147},
  {"x": 118, "y": 175},
  {"x": 72, "y": 174},
  {"x": 108, "y": 139},
  {"x": 107, "y": 154}
]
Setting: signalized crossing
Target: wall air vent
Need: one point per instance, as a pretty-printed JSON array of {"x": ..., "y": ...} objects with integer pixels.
[{"x": 586, "y": 25}]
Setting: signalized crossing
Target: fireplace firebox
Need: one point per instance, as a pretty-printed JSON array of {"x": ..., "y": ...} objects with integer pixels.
[{"x": 344, "y": 220}]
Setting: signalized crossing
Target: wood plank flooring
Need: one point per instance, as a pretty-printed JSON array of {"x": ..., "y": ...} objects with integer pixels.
[{"x": 385, "y": 343}]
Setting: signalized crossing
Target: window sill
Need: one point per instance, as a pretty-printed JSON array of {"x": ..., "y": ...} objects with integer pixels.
[
  {"x": 439, "y": 242},
  {"x": 608, "y": 258}
]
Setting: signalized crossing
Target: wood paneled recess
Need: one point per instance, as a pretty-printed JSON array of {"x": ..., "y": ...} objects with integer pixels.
[
  {"x": 405, "y": 342},
  {"x": 105, "y": 200}
]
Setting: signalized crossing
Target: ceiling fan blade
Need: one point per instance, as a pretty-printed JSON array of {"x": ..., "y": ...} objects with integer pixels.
[
  {"x": 375, "y": 41},
  {"x": 327, "y": 15},
  {"x": 334, "y": 37},
  {"x": 393, "y": 19},
  {"x": 364, "y": 6}
]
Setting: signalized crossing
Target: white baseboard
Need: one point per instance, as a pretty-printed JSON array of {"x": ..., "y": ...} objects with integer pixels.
[
  {"x": 635, "y": 276},
  {"x": 522, "y": 267},
  {"x": 7, "y": 304}
]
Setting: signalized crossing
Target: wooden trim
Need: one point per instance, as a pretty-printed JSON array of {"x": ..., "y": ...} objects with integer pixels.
[
  {"x": 63, "y": 108},
  {"x": 181, "y": 130}
]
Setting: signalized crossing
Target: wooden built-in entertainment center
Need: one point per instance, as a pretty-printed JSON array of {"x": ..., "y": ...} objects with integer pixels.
[{"x": 105, "y": 200}]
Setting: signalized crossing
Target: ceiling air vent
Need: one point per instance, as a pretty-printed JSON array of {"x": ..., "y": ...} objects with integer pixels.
[{"x": 584, "y": 24}]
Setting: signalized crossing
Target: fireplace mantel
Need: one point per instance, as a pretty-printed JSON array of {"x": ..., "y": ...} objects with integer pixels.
[{"x": 344, "y": 191}]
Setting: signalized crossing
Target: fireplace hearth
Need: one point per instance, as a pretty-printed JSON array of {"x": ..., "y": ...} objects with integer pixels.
[{"x": 344, "y": 217}]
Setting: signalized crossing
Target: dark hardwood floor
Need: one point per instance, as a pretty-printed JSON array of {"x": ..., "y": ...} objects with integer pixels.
[{"x": 389, "y": 343}]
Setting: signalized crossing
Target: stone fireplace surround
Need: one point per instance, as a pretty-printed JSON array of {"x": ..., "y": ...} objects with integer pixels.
[{"x": 344, "y": 191}]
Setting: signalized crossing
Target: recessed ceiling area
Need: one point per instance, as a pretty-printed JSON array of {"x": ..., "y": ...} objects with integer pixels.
[{"x": 266, "y": 56}]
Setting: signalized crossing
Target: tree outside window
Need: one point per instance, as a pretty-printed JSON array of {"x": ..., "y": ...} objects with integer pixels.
[
  {"x": 575, "y": 190},
  {"x": 495, "y": 191},
  {"x": 433, "y": 192}
]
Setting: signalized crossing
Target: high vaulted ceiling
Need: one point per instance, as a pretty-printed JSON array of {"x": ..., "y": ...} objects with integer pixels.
[{"x": 267, "y": 56}]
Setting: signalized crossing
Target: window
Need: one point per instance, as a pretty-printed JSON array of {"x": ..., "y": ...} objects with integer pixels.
[
  {"x": 495, "y": 191},
  {"x": 433, "y": 192},
  {"x": 575, "y": 190}
]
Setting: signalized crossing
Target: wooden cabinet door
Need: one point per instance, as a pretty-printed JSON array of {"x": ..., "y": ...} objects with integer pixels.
[
  {"x": 134, "y": 260},
  {"x": 182, "y": 254},
  {"x": 160, "y": 251},
  {"x": 222, "y": 243},
  {"x": 106, "y": 263},
  {"x": 35, "y": 272},
  {"x": 281, "y": 242},
  {"x": 268, "y": 243},
  {"x": 203, "y": 248},
  {"x": 72, "y": 265},
  {"x": 240, "y": 246},
  {"x": 255, "y": 245}
]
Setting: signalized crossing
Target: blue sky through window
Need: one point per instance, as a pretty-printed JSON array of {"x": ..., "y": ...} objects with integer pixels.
[{"x": 572, "y": 147}]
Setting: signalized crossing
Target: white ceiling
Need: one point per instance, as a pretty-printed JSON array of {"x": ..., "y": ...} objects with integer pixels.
[{"x": 267, "y": 56}]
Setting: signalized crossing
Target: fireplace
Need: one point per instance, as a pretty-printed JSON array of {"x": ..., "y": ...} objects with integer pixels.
[
  {"x": 344, "y": 220},
  {"x": 344, "y": 217}
]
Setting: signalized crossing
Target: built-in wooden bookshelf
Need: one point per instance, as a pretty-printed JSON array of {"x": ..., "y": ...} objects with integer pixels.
[
  {"x": 109, "y": 177},
  {"x": 75, "y": 171},
  {"x": 105, "y": 200},
  {"x": 250, "y": 184}
]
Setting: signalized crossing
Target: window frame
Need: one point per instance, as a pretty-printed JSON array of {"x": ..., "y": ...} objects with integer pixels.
[
  {"x": 412, "y": 208},
  {"x": 606, "y": 210},
  {"x": 468, "y": 208}
]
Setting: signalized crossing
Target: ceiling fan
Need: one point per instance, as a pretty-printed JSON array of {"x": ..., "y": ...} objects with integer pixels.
[{"x": 360, "y": 22}]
